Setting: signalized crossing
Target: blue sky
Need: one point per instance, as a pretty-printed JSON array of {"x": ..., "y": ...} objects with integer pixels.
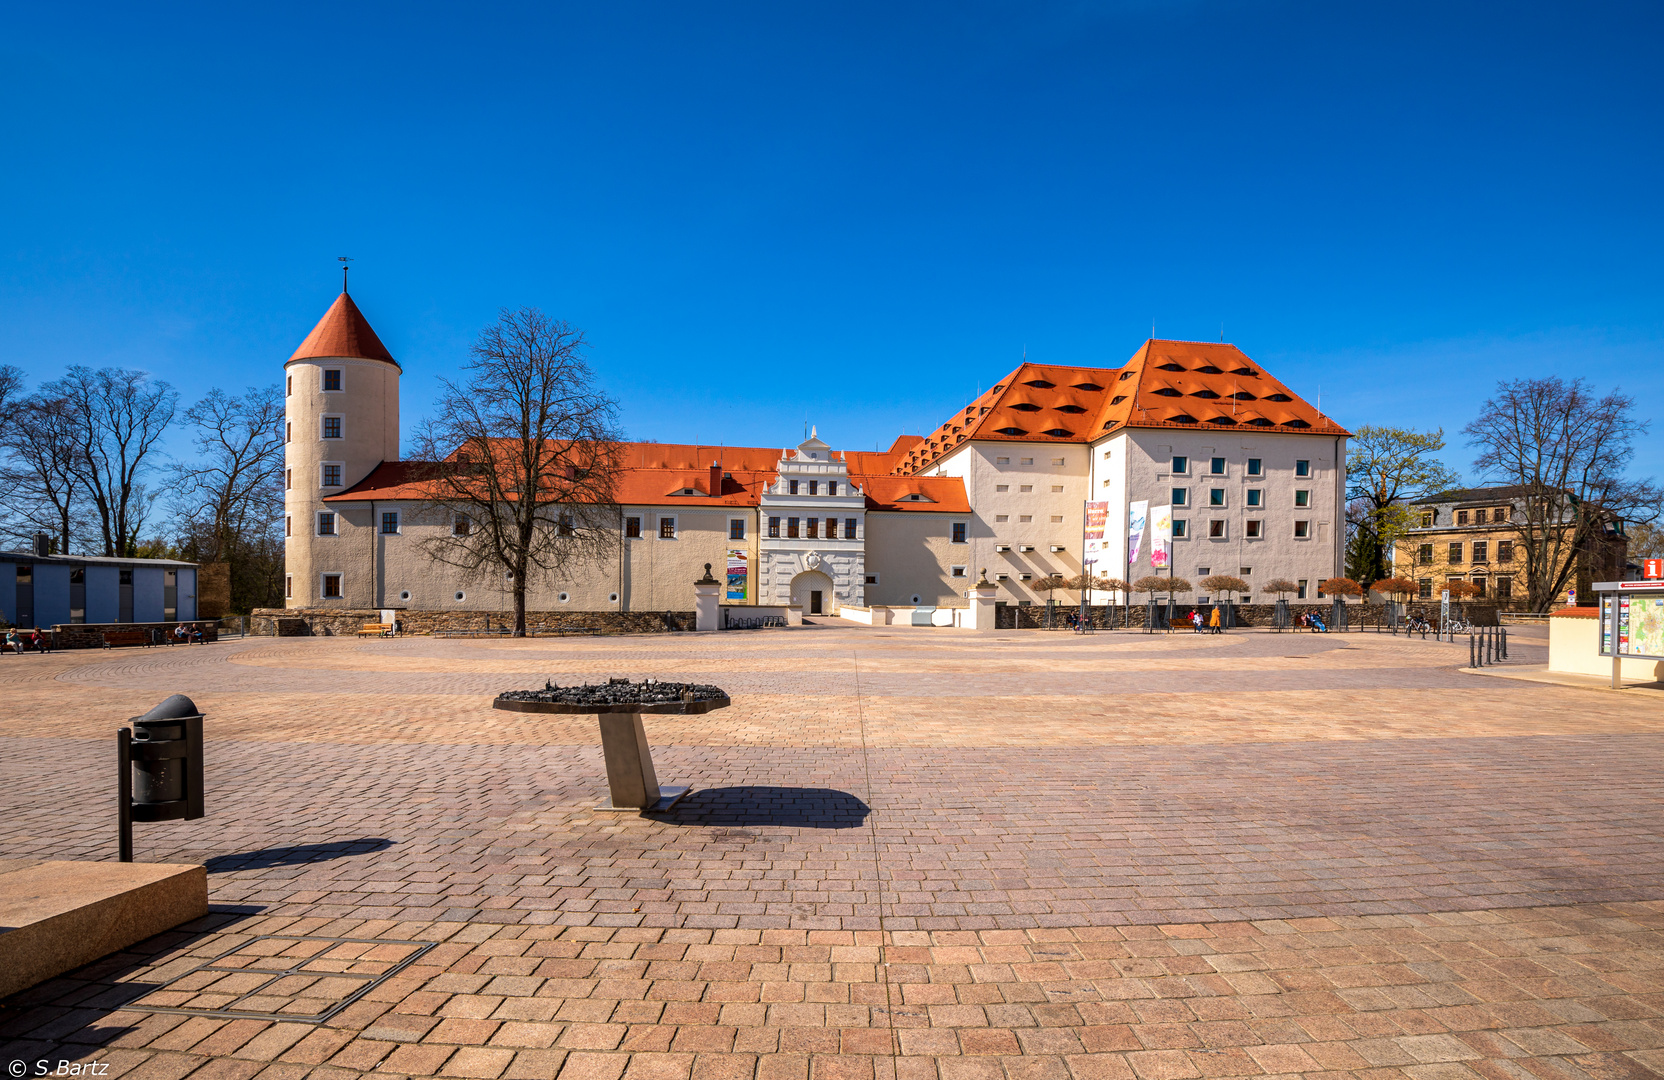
[{"x": 857, "y": 212}]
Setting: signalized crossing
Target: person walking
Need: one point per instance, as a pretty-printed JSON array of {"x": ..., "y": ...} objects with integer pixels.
[{"x": 1213, "y": 622}]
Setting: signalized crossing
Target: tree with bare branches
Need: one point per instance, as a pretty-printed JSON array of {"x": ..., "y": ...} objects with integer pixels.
[
  {"x": 1567, "y": 452},
  {"x": 523, "y": 457},
  {"x": 118, "y": 417},
  {"x": 40, "y": 485}
]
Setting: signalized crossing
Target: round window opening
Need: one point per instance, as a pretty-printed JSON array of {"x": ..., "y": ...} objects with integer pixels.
[
  {"x": 461, "y": 596},
  {"x": 915, "y": 599},
  {"x": 564, "y": 598},
  {"x": 405, "y": 595},
  {"x": 612, "y": 598}
]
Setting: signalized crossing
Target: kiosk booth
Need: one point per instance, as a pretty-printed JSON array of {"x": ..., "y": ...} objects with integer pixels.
[{"x": 1632, "y": 628}]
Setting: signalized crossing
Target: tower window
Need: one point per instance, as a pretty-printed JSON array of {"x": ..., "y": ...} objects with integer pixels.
[
  {"x": 332, "y": 427},
  {"x": 332, "y": 378},
  {"x": 332, "y": 586},
  {"x": 288, "y": 586},
  {"x": 289, "y": 388},
  {"x": 390, "y": 523},
  {"x": 332, "y": 475},
  {"x": 632, "y": 527},
  {"x": 288, "y": 479},
  {"x": 326, "y": 523}
]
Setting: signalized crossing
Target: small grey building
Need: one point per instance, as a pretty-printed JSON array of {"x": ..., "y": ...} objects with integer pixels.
[{"x": 48, "y": 590}]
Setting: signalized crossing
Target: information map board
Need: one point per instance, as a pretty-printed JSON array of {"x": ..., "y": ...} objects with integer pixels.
[{"x": 1632, "y": 624}]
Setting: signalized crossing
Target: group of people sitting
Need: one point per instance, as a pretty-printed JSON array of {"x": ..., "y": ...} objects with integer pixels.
[
  {"x": 1210, "y": 625},
  {"x": 20, "y": 641},
  {"x": 188, "y": 634},
  {"x": 1314, "y": 622}
]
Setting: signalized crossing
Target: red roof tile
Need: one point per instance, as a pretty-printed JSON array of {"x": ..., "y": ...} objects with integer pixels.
[{"x": 343, "y": 332}]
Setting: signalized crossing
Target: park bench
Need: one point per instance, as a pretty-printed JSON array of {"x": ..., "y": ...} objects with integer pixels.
[
  {"x": 376, "y": 629},
  {"x": 116, "y": 638}
]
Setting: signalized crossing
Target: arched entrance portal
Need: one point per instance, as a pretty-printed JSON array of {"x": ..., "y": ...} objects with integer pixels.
[{"x": 813, "y": 590}]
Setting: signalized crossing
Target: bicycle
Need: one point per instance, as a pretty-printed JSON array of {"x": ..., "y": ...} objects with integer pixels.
[{"x": 1459, "y": 625}]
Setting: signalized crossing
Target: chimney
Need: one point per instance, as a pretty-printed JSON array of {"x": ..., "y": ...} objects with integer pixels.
[
  {"x": 716, "y": 478},
  {"x": 43, "y": 545}
]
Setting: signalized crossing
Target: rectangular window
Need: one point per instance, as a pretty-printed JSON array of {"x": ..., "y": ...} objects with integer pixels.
[
  {"x": 1302, "y": 468},
  {"x": 1056, "y": 488},
  {"x": 1001, "y": 461},
  {"x": 632, "y": 527},
  {"x": 1456, "y": 553},
  {"x": 288, "y": 431},
  {"x": 332, "y": 587},
  {"x": 461, "y": 526},
  {"x": 1302, "y": 529},
  {"x": 1024, "y": 517},
  {"x": 1203, "y": 571},
  {"x": 791, "y": 528},
  {"x": 288, "y": 479},
  {"x": 1504, "y": 588},
  {"x": 1300, "y": 589},
  {"x": 811, "y": 528},
  {"x": 288, "y": 526},
  {"x": 736, "y": 528},
  {"x": 1461, "y": 517},
  {"x": 1057, "y": 461},
  {"x": 791, "y": 487},
  {"x": 872, "y": 579},
  {"x": 1057, "y": 519},
  {"x": 1427, "y": 520},
  {"x": 1254, "y": 466},
  {"x": 1256, "y": 496},
  {"x": 1025, "y": 461},
  {"x": 1181, "y": 496},
  {"x": 564, "y": 525},
  {"x": 1302, "y": 498},
  {"x": 1216, "y": 466},
  {"x": 814, "y": 487},
  {"x": 1002, "y": 517},
  {"x": 831, "y": 487},
  {"x": 1245, "y": 571},
  {"x": 1002, "y": 487},
  {"x": 958, "y": 571},
  {"x": 1424, "y": 588},
  {"x": 849, "y": 528},
  {"x": 332, "y": 378},
  {"x": 1254, "y": 529},
  {"x": 1216, "y": 529},
  {"x": 332, "y": 476},
  {"x": 1479, "y": 583},
  {"x": 332, "y": 427},
  {"x": 1504, "y": 553},
  {"x": 288, "y": 389},
  {"x": 1181, "y": 528},
  {"x": 1424, "y": 555},
  {"x": 289, "y": 580},
  {"x": 774, "y": 527},
  {"x": 1216, "y": 496},
  {"x": 667, "y": 528},
  {"x": 1479, "y": 517},
  {"x": 326, "y": 523},
  {"x": 1481, "y": 551},
  {"x": 1025, "y": 487},
  {"x": 78, "y": 595},
  {"x": 389, "y": 523},
  {"x": 959, "y": 532},
  {"x": 1499, "y": 515},
  {"x": 1181, "y": 464}
]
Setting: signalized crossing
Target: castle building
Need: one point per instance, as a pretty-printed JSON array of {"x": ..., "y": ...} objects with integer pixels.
[{"x": 1254, "y": 474}]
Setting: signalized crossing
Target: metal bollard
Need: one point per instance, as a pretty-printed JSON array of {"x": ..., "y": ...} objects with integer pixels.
[
  {"x": 1490, "y": 645},
  {"x": 1504, "y": 631},
  {"x": 1471, "y": 658}
]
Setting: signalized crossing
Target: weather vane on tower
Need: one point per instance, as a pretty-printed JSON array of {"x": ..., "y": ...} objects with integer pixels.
[{"x": 345, "y": 259}]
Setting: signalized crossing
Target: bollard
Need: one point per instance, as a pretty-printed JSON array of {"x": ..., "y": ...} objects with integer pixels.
[
  {"x": 1504, "y": 631},
  {"x": 1490, "y": 646},
  {"x": 1471, "y": 662}
]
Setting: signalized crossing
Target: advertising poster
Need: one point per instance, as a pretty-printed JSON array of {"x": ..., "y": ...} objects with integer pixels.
[
  {"x": 1161, "y": 536},
  {"x": 1137, "y": 513},
  {"x": 738, "y": 559},
  {"x": 1092, "y": 546},
  {"x": 1646, "y": 626}
]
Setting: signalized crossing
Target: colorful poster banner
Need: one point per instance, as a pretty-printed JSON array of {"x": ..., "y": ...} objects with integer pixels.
[
  {"x": 1092, "y": 546},
  {"x": 1161, "y": 536},
  {"x": 738, "y": 573},
  {"x": 1137, "y": 513}
]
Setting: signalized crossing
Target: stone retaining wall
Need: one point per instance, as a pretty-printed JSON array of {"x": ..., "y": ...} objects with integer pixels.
[
  {"x": 91, "y": 635},
  {"x": 339, "y": 622},
  {"x": 1113, "y": 617}
]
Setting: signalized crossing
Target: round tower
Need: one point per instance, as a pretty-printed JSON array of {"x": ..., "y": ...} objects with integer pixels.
[{"x": 341, "y": 420}]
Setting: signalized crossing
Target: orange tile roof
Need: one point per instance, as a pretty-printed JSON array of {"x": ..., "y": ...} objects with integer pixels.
[
  {"x": 655, "y": 474},
  {"x": 343, "y": 332},
  {"x": 1184, "y": 384}
]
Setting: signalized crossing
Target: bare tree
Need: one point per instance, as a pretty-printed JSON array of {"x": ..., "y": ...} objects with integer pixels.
[
  {"x": 1281, "y": 586},
  {"x": 11, "y": 392},
  {"x": 230, "y": 494},
  {"x": 524, "y": 456},
  {"x": 1387, "y": 468},
  {"x": 1225, "y": 583},
  {"x": 118, "y": 418},
  {"x": 1566, "y": 451},
  {"x": 40, "y": 484}
]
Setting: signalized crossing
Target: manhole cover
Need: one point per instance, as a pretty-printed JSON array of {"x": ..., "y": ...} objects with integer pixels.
[{"x": 284, "y": 977}]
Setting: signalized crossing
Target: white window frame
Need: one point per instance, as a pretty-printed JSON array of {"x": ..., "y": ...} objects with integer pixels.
[
  {"x": 1224, "y": 528},
  {"x": 318, "y": 523},
  {"x": 1224, "y": 466},
  {"x": 466, "y": 522},
  {"x": 1254, "y": 498},
  {"x": 1173, "y": 466},
  {"x": 1255, "y": 467},
  {"x": 398, "y": 523},
  {"x": 341, "y": 465},
  {"x": 323, "y": 422},
  {"x": 658, "y": 526},
  {"x": 1250, "y": 532},
  {"x": 1178, "y": 496},
  {"x": 1181, "y": 528},
  {"x": 324, "y": 576},
  {"x": 1025, "y": 461},
  {"x": 1308, "y": 533},
  {"x": 1303, "y": 464},
  {"x": 323, "y": 375},
  {"x": 1298, "y": 505},
  {"x": 957, "y": 571},
  {"x": 736, "y": 521},
  {"x": 1224, "y": 499},
  {"x": 967, "y": 527}
]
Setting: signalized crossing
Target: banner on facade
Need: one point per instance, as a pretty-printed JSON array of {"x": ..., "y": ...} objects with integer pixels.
[
  {"x": 1161, "y": 536},
  {"x": 1137, "y": 513},
  {"x": 1092, "y": 539},
  {"x": 738, "y": 561}
]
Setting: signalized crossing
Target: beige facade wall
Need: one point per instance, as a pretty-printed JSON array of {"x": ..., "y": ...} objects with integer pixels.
[
  {"x": 368, "y": 407},
  {"x": 913, "y": 554}
]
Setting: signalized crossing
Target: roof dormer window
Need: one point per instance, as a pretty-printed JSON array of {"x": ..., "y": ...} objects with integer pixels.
[{"x": 1040, "y": 384}]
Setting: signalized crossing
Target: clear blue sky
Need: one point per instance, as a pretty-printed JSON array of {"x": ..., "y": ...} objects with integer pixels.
[{"x": 859, "y": 212}]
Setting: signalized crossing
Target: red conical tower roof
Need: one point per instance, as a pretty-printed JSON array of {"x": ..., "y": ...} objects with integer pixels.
[{"x": 345, "y": 332}]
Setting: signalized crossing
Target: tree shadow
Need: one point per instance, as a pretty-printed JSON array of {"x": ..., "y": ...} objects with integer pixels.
[
  {"x": 794, "y": 807},
  {"x": 295, "y": 854}
]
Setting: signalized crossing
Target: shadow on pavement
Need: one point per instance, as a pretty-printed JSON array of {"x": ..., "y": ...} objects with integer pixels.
[
  {"x": 295, "y": 854},
  {"x": 797, "y": 807}
]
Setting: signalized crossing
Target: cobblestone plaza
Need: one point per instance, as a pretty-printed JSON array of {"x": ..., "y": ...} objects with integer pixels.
[{"x": 909, "y": 854}]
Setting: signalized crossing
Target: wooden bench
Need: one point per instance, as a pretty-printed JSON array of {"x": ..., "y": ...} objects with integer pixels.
[
  {"x": 376, "y": 629},
  {"x": 113, "y": 638}
]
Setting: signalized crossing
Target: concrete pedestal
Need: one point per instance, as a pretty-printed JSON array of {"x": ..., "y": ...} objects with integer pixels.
[
  {"x": 56, "y": 916},
  {"x": 706, "y": 600},
  {"x": 630, "y": 777},
  {"x": 981, "y": 613}
]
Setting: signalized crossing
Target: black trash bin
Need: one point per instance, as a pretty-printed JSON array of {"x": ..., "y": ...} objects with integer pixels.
[{"x": 167, "y": 762}]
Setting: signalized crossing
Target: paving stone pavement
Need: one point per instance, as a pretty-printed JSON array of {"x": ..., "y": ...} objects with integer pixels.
[{"x": 910, "y": 855}]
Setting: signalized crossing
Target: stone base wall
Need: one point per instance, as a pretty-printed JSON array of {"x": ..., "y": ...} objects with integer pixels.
[
  {"x": 339, "y": 622},
  {"x": 91, "y": 635}
]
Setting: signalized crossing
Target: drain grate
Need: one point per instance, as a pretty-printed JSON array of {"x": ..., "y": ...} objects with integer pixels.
[{"x": 298, "y": 978}]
